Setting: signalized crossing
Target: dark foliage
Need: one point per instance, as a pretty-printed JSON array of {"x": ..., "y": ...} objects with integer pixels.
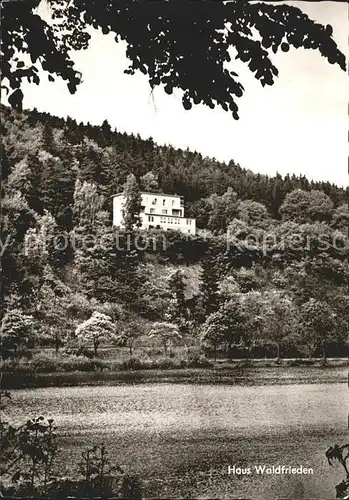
[{"x": 177, "y": 44}]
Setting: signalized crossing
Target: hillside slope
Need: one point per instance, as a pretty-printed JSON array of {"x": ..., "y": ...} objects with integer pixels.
[{"x": 269, "y": 263}]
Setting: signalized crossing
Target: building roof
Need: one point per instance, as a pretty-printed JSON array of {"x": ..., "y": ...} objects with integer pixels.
[{"x": 157, "y": 193}]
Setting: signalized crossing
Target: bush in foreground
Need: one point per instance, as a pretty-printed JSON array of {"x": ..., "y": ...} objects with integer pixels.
[{"x": 27, "y": 459}]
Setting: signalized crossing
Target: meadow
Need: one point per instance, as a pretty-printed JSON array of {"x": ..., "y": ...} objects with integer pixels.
[{"x": 181, "y": 438}]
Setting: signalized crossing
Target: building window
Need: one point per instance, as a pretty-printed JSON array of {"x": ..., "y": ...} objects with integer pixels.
[
  {"x": 188, "y": 231},
  {"x": 150, "y": 218},
  {"x": 188, "y": 222},
  {"x": 164, "y": 211},
  {"x": 152, "y": 210},
  {"x": 173, "y": 202},
  {"x": 164, "y": 201},
  {"x": 154, "y": 201}
]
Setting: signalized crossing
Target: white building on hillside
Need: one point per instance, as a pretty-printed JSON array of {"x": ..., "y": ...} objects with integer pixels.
[{"x": 159, "y": 210}]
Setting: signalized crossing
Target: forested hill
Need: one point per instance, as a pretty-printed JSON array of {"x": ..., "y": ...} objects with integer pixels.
[
  {"x": 105, "y": 157},
  {"x": 60, "y": 274}
]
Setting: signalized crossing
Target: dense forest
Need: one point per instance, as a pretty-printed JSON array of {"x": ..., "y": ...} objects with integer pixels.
[{"x": 265, "y": 275}]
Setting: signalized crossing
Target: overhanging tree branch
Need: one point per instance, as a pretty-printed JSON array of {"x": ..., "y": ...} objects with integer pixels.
[{"x": 178, "y": 44}]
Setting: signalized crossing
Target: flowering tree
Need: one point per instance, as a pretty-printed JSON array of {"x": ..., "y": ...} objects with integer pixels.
[
  {"x": 97, "y": 329},
  {"x": 166, "y": 333},
  {"x": 15, "y": 330}
]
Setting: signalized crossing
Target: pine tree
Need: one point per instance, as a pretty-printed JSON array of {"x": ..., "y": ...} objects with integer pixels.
[
  {"x": 48, "y": 139},
  {"x": 130, "y": 278},
  {"x": 132, "y": 205},
  {"x": 209, "y": 286},
  {"x": 72, "y": 133},
  {"x": 34, "y": 196},
  {"x": 277, "y": 196},
  {"x": 105, "y": 134},
  {"x": 177, "y": 309}
]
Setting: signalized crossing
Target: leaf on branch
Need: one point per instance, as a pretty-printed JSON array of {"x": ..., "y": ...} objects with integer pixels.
[{"x": 16, "y": 99}]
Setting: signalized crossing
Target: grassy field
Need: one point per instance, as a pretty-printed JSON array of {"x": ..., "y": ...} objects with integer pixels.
[
  {"x": 179, "y": 439},
  {"x": 222, "y": 372}
]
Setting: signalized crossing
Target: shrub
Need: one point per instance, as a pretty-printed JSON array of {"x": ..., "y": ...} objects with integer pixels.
[
  {"x": 153, "y": 351},
  {"x": 44, "y": 363},
  {"x": 77, "y": 363},
  {"x": 27, "y": 457},
  {"x": 75, "y": 349},
  {"x": 198, "y": 361},
  {"x": 301, "y": 362},
  {"x": 16, "y": 366},
  {"x": 48, "y": 363},
  {"x": 166, "y": 363},
  {"x": 134, "y": 364},
  {"x": 246, "y": 363}
]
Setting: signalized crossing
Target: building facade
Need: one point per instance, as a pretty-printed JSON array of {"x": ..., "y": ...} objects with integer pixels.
[{"x": 159, "y": 210}]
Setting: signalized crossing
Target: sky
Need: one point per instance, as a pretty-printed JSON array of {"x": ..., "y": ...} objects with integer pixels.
[{"x": 299, "y": 125}]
